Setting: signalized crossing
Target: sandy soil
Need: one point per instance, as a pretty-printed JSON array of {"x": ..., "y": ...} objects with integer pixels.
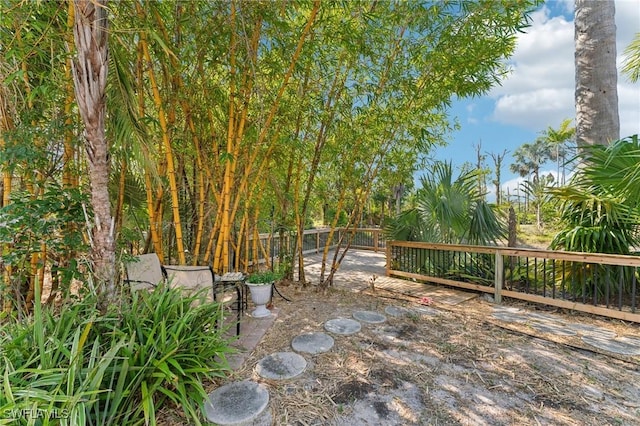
[{"x": 458, "y": 367}]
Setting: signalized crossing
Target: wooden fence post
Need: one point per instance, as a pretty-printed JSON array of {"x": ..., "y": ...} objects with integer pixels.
[
  {"x": 388, "y": 259},
  {"x": 376, "y": 235}
]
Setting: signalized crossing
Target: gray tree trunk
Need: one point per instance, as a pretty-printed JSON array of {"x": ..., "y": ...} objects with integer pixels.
[
  {"x": 90, "y": 80},
  {"x": 596, "y": 95}
]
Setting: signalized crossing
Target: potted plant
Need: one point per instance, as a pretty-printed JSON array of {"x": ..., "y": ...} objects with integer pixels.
[{"x": 261, "y": 286}]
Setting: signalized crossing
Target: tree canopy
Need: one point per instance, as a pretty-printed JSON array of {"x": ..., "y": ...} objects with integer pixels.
[{"x": 219, "y": 113}]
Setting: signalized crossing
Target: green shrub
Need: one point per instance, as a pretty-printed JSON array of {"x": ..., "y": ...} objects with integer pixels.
[
  {"x": 27, "y": 223},
  {"x": 264, "y": 277},
  {"x": 76, "y": 367}
]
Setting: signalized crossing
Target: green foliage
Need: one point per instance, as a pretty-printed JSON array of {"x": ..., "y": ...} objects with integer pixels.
[
  {"x": 343, "y": 219},
  {"x": 264, "y": 277},
  {"x": 27, "y": 222},
  {"x": 530, "y": 157},
  {"x": 449, "y": 210},
  {"x": 600, "y": 210},
  {"x": 631, "y": 66},
  {"x": 408, "y": 226},
  {"x": 366, "y": 100},
  {"x": 55, "y": 219},
  {"x": 118, "y": 368},
  {"x": 538, "y": 195}
]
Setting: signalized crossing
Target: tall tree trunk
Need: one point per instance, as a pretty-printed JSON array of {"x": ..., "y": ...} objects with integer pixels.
[
  {"x": 90, "y": 79},
  {"x": 596, "y": 95}
]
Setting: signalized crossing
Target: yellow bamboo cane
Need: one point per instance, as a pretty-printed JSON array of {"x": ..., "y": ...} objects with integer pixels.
[
  {"x": 155, "y": 228},
  {"x": 221, "y": 258},
  {"x": 235, "y": 134},
  {"x": 69, "y": 150},
  {"x": 171, "y": 174},
  {"x": 6, "y": 123}
]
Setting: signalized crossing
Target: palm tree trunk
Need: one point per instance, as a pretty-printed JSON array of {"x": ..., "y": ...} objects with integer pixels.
[
  {"x": 596, "y": 96},
  {"x": 90, "y": 79}
]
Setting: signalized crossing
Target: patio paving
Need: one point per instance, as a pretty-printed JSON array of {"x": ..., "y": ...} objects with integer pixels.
[{"x": 359, "y": 267}]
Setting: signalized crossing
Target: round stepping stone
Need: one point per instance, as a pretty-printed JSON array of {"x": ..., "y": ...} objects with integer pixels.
[
  {"x": 593, "y": 330},
  {"x": 396, "y": 311},
  {"x": 343, "y": 326},
  {"x": 510, "y": 317},
  {"x": 369, "y": 317},
  {"x": 281, "y": 365},
  {"x": 238, "y": 403},
  {"x": 313, "y": 343},
  {"x": 551, "y": 328},
  {"x": 619, "y": 345}
]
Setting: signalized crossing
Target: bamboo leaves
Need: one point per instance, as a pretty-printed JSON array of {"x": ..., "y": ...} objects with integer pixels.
[{"x": 227, "y": 111}]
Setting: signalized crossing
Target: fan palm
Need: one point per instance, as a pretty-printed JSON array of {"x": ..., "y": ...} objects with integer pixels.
[
  {"x": 600, "y": 207},
  {"x": 448, "y": 210},
  {"x": 601, "y": 212}
]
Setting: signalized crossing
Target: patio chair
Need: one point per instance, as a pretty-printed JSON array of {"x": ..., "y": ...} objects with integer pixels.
[
  {"x": 194, "y": 278},
  {"x": 144, "y": 273},
  {"x": 189, "y": 278}
]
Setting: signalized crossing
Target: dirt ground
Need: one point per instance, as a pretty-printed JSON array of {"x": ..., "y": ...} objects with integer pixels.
[{"x": 459, "y": 367}]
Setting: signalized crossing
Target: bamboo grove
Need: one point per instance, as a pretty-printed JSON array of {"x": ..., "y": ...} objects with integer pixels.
[{"x": 224, "y": 118}]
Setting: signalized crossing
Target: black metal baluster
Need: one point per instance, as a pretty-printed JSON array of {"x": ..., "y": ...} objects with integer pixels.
[
  {"x": 633, "y": 290},
  {"x": 584, "y": 283},
  {"x": 594, "y": 280},
  {"x": 620, "y": 286},
  {"x": 534, "y": 280},
  {"x": 564, "y": 294},
  {"x": 607, "y": 278},
  {"x": 553, "y": 278}
]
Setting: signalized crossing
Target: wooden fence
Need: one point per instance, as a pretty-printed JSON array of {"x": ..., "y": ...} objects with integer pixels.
[
  {"x": 600, "y": 284},
  {"x": 313, "y": 241}
]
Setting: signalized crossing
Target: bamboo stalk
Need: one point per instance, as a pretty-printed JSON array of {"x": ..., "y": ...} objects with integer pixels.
[
  {"x": 6, "y": 123},
  {"x": 235, "y": 133},
  {"x": 166, "y": 143},
  {"x": 69, "y": 150},
  {"x": 221, "y": 259},
  {"x": 155, "y": 230}
]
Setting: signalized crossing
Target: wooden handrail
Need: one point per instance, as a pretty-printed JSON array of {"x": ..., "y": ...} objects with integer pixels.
[{"x": 553, "y": 288}]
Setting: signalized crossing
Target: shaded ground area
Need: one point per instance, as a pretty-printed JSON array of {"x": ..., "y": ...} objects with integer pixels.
[
  {"x": 456, "y": 367},
  {"x": 446, "y": 364}
]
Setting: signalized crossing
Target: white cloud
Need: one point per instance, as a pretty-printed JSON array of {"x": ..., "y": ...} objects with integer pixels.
[
  {"x": 513, "y": 187},
  {"x": 627, "y": 20},
  {"x": 540, "y": 90},
  {"x": 629, "y": 108},
  {"x": 536, "y": 109}
]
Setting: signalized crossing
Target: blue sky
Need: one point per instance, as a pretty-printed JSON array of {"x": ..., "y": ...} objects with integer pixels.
[{"x": 539, "y": 92}]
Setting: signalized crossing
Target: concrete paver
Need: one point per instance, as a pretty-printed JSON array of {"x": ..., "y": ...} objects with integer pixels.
[
  {"x": 343, "y": 326},
  {"x": 281, "y": 366},
  {"x": 312, "y": 343},
  {"x": 369, "y": 317},
  {"x": 238, "y": 404}
]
